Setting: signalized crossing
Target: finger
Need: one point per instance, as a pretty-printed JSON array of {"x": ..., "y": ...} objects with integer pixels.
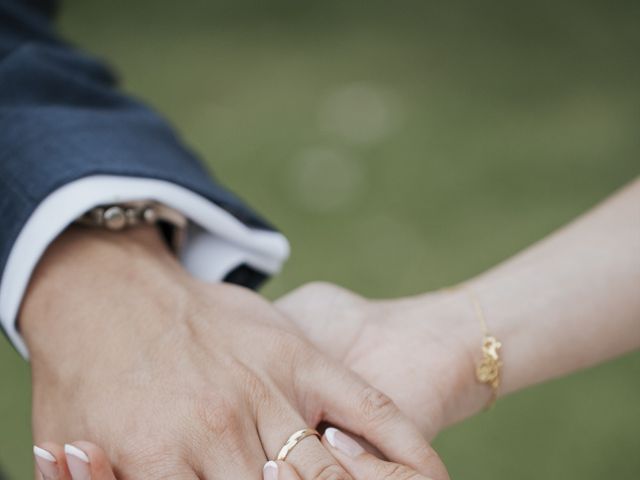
[
  {"x": 230, "y": 446},
  {"x": 350, "y": 402},
  {"x": 50, "y": 461},
  {"x": 313, "y": 461},
  {"x": 245, "y": 462},
  {"x": 363, "y": 465},
  {"x": 309, "y": 457},
  {"x": 87, "y": 461},
  {"x": 279, "y": 471}
]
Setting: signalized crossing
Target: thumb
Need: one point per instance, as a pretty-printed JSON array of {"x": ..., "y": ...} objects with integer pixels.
[{"x": 362, "y": 465}]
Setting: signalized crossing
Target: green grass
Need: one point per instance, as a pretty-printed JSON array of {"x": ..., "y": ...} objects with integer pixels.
[{"x": 401, "y": 147}]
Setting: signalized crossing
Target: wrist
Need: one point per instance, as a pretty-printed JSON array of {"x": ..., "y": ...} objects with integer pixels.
[
  {"x": 446, "y": 319},
  {"x": 86, "y": 277},
  {"x": 458, "y": 321}
]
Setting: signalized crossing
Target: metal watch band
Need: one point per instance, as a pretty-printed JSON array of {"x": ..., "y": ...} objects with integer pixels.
[{"x": 117, "y": 217}]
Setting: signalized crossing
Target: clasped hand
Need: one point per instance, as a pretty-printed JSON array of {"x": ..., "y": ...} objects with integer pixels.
[{"x": 183, "y": 380}]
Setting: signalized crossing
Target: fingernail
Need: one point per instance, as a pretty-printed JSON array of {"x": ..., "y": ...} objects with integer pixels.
[
  {"x": 46, "y": 463},
  {"x": 78, "y": 463},
  {"x": 343, "y": 443},
  {"x": 270, "y": 471}
]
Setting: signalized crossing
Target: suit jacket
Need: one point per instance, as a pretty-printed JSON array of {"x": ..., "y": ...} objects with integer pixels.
[{"x": 62, "y": 118}]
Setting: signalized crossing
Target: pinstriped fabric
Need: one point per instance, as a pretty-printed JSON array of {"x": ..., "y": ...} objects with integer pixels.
[{"x": 62, "y": 118}]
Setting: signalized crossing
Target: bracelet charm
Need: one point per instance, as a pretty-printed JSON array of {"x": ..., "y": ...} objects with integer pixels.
[{"x": 488, "y": 370}]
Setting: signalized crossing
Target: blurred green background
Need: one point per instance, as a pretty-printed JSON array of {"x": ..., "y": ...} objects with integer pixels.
[{"x": 402, "y": 146}]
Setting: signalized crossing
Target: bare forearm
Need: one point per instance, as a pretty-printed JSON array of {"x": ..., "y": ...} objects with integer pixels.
[
  {"x": 568, "y": 302},
  {"x": 572, "y": 300}
]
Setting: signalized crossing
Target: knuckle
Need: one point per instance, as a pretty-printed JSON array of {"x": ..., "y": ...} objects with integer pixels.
[
  {"x": 394, "y": 471},
  {"x": 375, "y": 406},
  {"x": 217, "y": 415},
  {"x": 317, "y": 286},
  {"x": 286, "y": 349},
  {"x": 319, "y": 291},
  {"x": 293, "y": 353},
  {"x": 161, "y": 471},
  {"x": 254, "y": 387},
  {"x": 284, "y": 340},
  {"x": 148, "y": 460},
  {"x": 332, "y": 471},
  {"x": 423, "y": 455}
]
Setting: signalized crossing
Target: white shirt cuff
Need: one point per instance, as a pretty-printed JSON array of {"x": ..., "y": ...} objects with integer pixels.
[{"x": 216, "y": 244}]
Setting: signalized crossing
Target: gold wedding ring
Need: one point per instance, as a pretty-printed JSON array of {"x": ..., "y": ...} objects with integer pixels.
[{"x": 294, "y": 440}]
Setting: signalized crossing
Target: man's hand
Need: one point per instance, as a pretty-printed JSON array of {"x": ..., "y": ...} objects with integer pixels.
[
  {"x": 419, "y": 350},
  {"x": 87, "y": 461},
  {"x": 179, "y": 379}
]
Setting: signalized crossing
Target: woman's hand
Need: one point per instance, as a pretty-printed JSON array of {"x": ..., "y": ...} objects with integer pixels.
[
  {"x": 180, "y": 379},
  {"x": 74, "y": 461},
  {"x": 420, "y": 350},
  {"x": 86, "y": 461},
  {"x": 568, "y": 302}
]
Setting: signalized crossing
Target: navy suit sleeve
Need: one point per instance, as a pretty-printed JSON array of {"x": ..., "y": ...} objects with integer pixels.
[{"x": 63, "y": 118}]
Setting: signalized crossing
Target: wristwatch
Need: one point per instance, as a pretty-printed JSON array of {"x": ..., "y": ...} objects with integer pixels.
[{"x": 121, "y": 216}]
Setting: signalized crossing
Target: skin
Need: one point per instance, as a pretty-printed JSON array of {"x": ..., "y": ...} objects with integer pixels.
[
  {"x": 179, "y": 379},
  {"x": 97, "y": 468},
  {"x": 563, "y": 304},
  {"x": 566, "y": 303},
  {"x": 354, "y": 459}
]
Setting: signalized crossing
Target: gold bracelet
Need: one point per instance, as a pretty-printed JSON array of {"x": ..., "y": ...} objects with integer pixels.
[{"x": 489, "y": 369}]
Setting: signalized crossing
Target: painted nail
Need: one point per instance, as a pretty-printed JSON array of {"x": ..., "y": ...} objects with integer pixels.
[
  {"x": 270, "y": 471},
  {"x": 46, "y": 463},
  {"x": 343, "y": 443},
  {"x": 78, "y": 463}
]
